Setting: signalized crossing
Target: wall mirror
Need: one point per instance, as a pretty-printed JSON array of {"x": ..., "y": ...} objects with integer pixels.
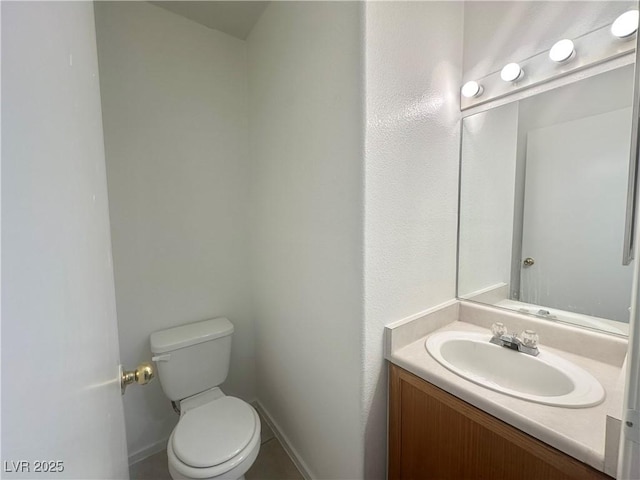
[{"x": 543, "y": 195}]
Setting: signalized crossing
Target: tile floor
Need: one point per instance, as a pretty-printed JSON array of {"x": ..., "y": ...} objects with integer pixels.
[{"x": 272, "y": 463}]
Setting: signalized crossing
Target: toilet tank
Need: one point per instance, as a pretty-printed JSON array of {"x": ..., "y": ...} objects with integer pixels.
[{"x": 192, "y": 358}]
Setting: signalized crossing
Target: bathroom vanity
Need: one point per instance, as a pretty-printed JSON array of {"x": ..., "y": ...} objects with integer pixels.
[
  {"x": 433, "y": 434},
  {"x": 522, "y": 376},
  {"x": 442, "y": 425}
]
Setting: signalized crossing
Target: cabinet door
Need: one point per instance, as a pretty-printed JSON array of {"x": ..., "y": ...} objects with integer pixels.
[{"x": 434, "y": 435}]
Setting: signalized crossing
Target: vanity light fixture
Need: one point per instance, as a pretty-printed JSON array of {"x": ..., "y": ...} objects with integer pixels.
[
  {"x": 511, "y": 72},
  {"x": 562, "y": 51},
  {"x": 626, "y": 24},
  {"x": 472, "y": 89},
  {"x": 564, "y": 57}
]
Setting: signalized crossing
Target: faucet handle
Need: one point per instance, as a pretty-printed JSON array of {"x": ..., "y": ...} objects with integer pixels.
[
  {"x": 498, "y": 329},
  {"x": 529, "y": 338}
]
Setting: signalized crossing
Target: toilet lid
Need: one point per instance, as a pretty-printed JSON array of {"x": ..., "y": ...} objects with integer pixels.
[{"x": 214, "y": 433}]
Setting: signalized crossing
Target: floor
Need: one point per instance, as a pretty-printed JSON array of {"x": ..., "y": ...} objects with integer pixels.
[{"x": 272, "y": 463}]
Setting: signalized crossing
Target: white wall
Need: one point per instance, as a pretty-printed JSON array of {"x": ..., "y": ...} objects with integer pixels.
[
  {"x": 413, "y": 69},
  {"x": 60, "y": 390},
  {"x": 305, "y": 77},
  {"x": 174, "y": 97},
  {"x": 488, "y": 167}
]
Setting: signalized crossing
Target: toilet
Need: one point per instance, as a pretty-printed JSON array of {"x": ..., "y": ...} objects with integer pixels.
[{"x": 217, "y": 436}]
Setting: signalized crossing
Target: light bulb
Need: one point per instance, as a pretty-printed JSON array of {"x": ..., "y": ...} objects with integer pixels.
[
  {"x": 511, "y": 72},
  {"x": 562, "y": 51},
  {"x": 471, "y": 89},
  {"x": 626, "y": 24}
]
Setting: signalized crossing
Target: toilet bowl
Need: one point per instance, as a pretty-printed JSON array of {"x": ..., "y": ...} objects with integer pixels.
[
  {"x": 217, "y": 436},
  {"x": 219, "y": 439}
]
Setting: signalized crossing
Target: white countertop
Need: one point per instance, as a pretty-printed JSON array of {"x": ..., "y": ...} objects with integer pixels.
[{"x": 579, "y": 432}]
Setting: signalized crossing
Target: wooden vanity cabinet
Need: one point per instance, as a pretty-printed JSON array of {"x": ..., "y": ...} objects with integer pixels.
[{"x": 435, "y": 435}]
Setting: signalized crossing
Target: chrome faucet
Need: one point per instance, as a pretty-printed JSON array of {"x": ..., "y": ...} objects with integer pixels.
[{"x": 526, "y": 343}]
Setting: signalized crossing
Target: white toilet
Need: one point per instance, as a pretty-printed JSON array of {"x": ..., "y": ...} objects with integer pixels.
[{"x": 217, "y": 437}]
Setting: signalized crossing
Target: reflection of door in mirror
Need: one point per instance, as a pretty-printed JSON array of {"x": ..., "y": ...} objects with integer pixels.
[
  {"x": 575, "y": 198},
  {"x": 545, "y": 180}
]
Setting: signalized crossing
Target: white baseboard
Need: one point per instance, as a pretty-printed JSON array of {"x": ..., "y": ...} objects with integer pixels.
[
  {"x": 284, "y": 441},
  {"x": 148, "y": 451}
]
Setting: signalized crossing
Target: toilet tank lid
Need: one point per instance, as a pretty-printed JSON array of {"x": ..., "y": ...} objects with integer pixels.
[{"x": 190, "y": 334}]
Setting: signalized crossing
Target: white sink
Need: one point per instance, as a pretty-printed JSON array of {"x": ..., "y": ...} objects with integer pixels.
[{"x": 546, "y": 379}]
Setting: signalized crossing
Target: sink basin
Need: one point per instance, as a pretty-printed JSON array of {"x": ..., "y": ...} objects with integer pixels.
[{"x": 546, "y": 379}]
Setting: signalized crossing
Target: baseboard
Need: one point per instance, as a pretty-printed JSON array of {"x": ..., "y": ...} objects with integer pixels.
[
  {"x": 284, "y": 441},
  {"x": 148, "y": 451}
]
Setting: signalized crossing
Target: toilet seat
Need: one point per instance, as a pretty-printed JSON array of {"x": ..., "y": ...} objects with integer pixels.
[
  {"x": 214, "y": 433},
  {"x": 219, "y": 439}
]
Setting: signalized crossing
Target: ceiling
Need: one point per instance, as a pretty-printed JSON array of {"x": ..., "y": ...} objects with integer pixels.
[{"x": 234, "y": 18}]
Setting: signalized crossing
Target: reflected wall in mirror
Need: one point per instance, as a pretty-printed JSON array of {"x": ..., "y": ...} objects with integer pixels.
[{"x": 543, "y": 192}]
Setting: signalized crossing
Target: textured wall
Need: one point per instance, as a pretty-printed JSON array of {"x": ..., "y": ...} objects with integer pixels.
[
  {"x": 413, "y": 69},
  {"x": 305, "y": 76},
  {"x": 174, "y": 97}
]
